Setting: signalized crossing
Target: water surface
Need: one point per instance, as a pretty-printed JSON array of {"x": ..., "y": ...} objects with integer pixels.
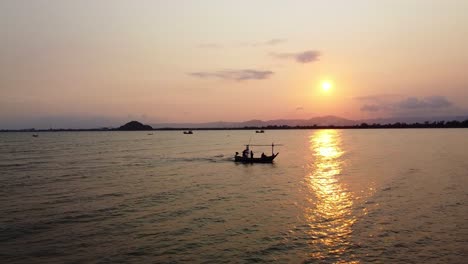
[{"x": 332, "y": 196}]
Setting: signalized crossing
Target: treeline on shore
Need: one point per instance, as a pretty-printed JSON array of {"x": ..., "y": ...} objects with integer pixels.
[{"x": 427, "y": 124}]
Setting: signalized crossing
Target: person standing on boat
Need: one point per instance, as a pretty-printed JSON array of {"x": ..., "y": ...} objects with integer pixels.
[
  {"x": 245, "y": 153},
  {"x": 251, "y": 154}
]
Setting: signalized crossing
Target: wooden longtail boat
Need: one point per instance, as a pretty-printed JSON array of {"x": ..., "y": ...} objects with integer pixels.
[
  {"x": 265, "y": 159},
  {"x": 262, "y": 159}
]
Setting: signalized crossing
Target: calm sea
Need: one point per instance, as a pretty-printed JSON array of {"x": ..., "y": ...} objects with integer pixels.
[{"x": 332, "y": 196}]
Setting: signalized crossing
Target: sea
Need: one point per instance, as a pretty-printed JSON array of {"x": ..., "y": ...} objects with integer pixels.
[{"x": 331, "y": 196}]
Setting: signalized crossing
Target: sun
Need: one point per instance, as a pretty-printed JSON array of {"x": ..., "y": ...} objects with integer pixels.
[{"x": 326, "y": 86}]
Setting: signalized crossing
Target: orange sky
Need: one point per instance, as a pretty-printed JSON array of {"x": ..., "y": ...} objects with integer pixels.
[{"x": 197, "y": 61}]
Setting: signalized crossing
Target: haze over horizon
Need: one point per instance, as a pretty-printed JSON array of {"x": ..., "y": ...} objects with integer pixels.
[{"x": 85, "y": 64}]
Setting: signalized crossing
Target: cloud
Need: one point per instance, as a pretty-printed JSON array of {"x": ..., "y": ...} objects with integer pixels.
[
  {"x": 301, "y": 57},
  {"x": 210, "y": 46},
  {"x": 378, "y": 97},
  {"x": 370, "y": 108},
  {"x": 408, "y": 105},
  {"x": 274, "y": 41},
  {"x": 429, "y": 102},
  {"x": 235, "y": 75},
  {"x": 270, "y": 42}
]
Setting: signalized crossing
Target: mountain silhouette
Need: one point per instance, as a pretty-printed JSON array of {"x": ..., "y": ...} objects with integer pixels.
[
  {"x": 134, "y": 126},
  {"x": 328, "y": 120},
  {"x": 319, "y": 121}
]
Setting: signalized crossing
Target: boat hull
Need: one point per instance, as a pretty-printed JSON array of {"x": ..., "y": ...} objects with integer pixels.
[{"x": 266, "y": 159}]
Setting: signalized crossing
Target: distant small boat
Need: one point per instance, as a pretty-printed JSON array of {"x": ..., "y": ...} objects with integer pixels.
[
  {"x": 35, "y": 135},
  {"x": 259, "y": 131},
  {"x": 150, "y": 134},
  {"x": 188, "y": 132}
]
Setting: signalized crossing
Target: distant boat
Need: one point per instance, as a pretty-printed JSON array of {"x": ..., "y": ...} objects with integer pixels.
[
  {"x": 150, "y": 134},
  {"x": 35, "y": 135},
  {"x": 247, "y": 158},
  {"x": 259, "y": 131},
  {"x": 188, "y": 132}
]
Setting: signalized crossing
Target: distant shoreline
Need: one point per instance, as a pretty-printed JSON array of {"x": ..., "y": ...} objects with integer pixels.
[{"x": 440, "y": 124}]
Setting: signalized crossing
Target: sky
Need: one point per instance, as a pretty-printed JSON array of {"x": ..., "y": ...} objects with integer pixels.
[{"x": 69, "y": 64}]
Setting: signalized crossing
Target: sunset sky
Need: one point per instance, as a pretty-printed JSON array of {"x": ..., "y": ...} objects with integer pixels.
[{"x": 89, "y": 63}]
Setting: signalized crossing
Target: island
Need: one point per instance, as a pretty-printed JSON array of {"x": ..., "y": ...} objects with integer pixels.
[{"x": 134, "y": 126}]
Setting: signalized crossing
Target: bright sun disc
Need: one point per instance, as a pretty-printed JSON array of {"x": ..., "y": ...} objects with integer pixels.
[{"x": 326, "y": 85}]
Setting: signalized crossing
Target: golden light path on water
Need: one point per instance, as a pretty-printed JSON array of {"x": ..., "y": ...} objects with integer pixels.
[{"x": 330, "y": 218}]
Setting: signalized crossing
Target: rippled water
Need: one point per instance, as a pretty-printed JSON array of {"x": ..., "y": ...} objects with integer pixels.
[{"x": 332, "y": 196}]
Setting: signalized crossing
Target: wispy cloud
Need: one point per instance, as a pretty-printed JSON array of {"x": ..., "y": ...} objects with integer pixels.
[
  {"x": 371, "y": 108},
  {"x": 274, "y": 41},
  {"x": 378, "y": 97},
  {"x": 429, "y": 102},
  {"x": 270, "y": 42},
  {"x": 210, "y": 46},
  {"x": 378, "y": 102},
  {"x": 408, "y": 105},
  {"x": 307, "y": 56},
  {"x": 235, "y": 75}
]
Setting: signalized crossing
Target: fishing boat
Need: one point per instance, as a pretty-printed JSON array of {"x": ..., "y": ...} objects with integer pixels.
[
  {"x": 259, "y": 131},
  {"x": 264, "y": 159},
  {"x": 188, "y": 132},
  {"x": 35, "y": 135},
  {"x": 248, "y": 157}
]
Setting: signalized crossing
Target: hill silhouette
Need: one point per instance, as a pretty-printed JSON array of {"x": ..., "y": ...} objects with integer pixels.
[
  {"x": 313, "y": 123},
  {"x": 321, "y": 121},
  {"x": 134, "y": 126}
]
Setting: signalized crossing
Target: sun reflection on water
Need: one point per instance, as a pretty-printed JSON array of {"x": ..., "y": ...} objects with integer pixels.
[{"x": 330, "y": 217}]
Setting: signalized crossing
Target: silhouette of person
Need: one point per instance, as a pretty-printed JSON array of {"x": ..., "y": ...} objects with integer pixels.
[
  {"x": 251, "y": 154},
  {"x": 263, "y": 155},
  {"x": 245, "y": 153}
]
